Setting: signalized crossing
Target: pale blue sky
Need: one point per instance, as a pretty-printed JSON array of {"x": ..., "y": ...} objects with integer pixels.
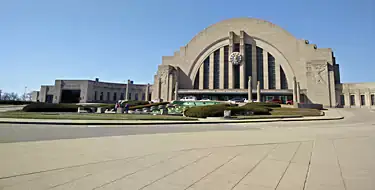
[{"x": 41, "y": 40}]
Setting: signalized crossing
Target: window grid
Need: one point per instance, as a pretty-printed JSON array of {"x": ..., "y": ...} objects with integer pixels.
[
  {"x": 342, "y": 100},
  {"x": 206, "y": 73},
  {"x": 226, "y": 61},
  {"x": 284, "y": 81},
  {"x": 271, "y": 72},
  {"x": 372, "y": 99},
  {"x": 363, "y": 102},
  {"x": 260, "y": 69},
  {"x": 217, "y": 69},
  {"x": 248, "y": 62},
  {"x": 352, "y": 100}
]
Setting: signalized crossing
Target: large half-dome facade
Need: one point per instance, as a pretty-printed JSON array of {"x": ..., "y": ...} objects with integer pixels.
[{"x": 228, "y": 58}]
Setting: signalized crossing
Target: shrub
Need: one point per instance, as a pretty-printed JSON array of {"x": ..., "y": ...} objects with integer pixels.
[
  {"x": 218, "y": 110},
  {"x": 132, "y": 103},
  {"x": 263, "y": 104},
  {"x": 15, "y": 102},
  {"x": 147, "y": 105},
  {"x": 207, "y": 111},
  {"x": 48, "y": 107}
]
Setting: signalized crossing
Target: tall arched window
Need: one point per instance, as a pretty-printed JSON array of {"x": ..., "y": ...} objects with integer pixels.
[
  {"x": 217, "y": 69},
  {"x": 271, "y": 72},
  {"x": 283, "y": 80}
]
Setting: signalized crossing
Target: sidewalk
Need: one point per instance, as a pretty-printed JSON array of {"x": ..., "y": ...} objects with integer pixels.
[{"x": 329, "y": 115}]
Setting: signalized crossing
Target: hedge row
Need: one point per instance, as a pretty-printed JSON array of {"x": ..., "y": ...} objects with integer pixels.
[
  {"x": 147, "y": 105},
  {"x": 132, "y": 103},
  {"x": 263, "y": 104},
  {"x": 15, "y": 102},
  {"x": 218, "y": 110},
  {"x": 48, "y": 107}
]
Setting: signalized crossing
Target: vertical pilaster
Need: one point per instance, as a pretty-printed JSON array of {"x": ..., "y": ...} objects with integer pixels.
[
  {"x": 347, "y": 99},
  {"x": 358, "y": 99},
  {"x": 201, "y": 76},
  {"x": 159, "y": 88},
  {"x": 277, "y": 75},
  {"x": 254, "y": 63},
  {"x": 298, "y": 93},
  {"x": 294, "y": 90},
  {"x": 258, "y": 91},
  {"x": 265, "y": 69},
  {"x": 221, "y": 68},
  {"x": 230, "y": 66},
  {"x": 243, "y": 64},
  {"x": 147, "y": 91},
  {"x": 249, "y": 90},
  {"x": 128, "y": 88},
  {"x": 176, "y": 91},
  {"x": 368, "y": 98},
  {"x": 170, "y": 87},
  {"x": 211, "y": 75}
]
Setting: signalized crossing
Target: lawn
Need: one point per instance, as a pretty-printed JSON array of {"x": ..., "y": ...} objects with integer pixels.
[{"x": 92, "y": 116}]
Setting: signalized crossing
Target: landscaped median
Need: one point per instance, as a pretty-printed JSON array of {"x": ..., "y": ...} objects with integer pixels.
[{"x": 251, "y": 112}]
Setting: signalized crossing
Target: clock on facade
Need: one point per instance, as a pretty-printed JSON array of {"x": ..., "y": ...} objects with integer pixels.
[{"x": 235, "y": 58}]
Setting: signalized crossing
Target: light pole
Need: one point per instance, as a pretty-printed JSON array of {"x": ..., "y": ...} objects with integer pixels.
[{"x": 24, "y": 94}]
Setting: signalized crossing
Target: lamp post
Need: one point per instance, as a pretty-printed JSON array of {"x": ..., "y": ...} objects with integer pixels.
[{"x": 24, "y": 94}]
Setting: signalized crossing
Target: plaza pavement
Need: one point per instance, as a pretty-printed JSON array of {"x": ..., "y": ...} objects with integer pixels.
[{"x": 310, "y": 155}]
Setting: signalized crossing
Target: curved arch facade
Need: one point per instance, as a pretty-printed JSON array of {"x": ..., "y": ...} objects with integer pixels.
[{"x": 284, "y": 67}]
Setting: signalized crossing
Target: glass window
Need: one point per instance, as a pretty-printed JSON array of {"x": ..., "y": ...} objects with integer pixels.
[
  {"x": 271, "y": 72},
  {"x": 217, "y": 69},
  {"x": 206, "y": 73},
  {"x": 342, "y": 100},
  {"x": 130, "y": 96},
  {"x": 101, "y": 95},
  {"x": 352, "y": 100},
  {"x": 372, "y": 99},
  {"x": 363, "y": 100},
  {"x": 226, "y": 62},
  {"x": 122, "y": 96},
  {"x": 114, "y": 96},
  {"x": 236, "y": 47},
  {"x": 108, "y": 95},
  {"x": 136, "y": 96},
  {"x": 248, "y": 62},
  {"x": 143, "y": 96},
  {"x": 260, "y": 67},
  {"x": 284, "y": 81},
  {"x": 196, "y": 81},
  {"x": 95, "y": 95}
]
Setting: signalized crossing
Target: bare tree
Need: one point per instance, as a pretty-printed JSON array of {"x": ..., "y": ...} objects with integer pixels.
[{"x": 10, "y": 96}]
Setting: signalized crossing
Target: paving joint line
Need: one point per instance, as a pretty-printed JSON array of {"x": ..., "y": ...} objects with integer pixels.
[
  {"x": 287, "y": 167},
  {"x": 256, "y": 165},
  {"x": 142, "y": 169},
  {"x": 75, "y": 179},
  {"x": 176, "y": 170},
  {"x": 338, "y": 162},
  {"x": 207, "y": 174},
  {"x": 308, "y": 167}
]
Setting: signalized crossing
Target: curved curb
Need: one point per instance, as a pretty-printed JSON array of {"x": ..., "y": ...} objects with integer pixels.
[{"x": 171, "y": 122}]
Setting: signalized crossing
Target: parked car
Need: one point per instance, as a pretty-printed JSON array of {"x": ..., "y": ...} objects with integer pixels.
[
  {"x": 205, "y": 99},
  {"x": 289, "y": 102},
  {"x": 275, "y": 100},
  {"x": 189, "y": 98},
  {"x": 236, "y": 100}
]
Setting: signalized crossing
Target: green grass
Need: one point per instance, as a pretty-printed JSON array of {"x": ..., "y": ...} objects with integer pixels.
[
  {"x": 93, "y": 116},
  {"x": 295, "y": 111}
]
